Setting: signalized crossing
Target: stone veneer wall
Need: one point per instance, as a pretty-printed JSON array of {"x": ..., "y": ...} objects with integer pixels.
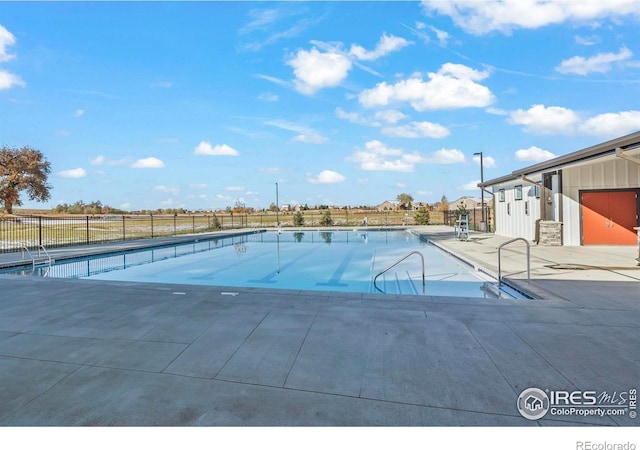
[{"x": 550, "y": 233}]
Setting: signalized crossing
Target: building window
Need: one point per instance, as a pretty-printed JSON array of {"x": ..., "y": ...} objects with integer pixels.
[
  {"x": 526, "y": 208},
  {"x": 518, "y": 192},
  {"x": 536, "y": 190},
  {"x": 501, "y": 194}
]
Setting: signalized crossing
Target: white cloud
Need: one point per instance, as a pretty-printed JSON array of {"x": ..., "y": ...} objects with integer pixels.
[
  {"x": 274, "y": 80},
  {"x": 487, "y": 161},
  {"x": 205, "y": 148},
  {"x": 417, "y": 130},
  {"x": 8, "y": 80},
  {"x": 315, "y": 70},
  {"x": 447, "y": 156},
  {"x": 452, "y": 87},
  {"x": 311, "y": 138},
  {"x": 376, "y": 156},
  {"x": 470, "y": 186},
  {"x": 97, "y": 161},
  {"x": 558, "y": 120},
  {"x": 354, "y": 117},
  {"x": 305, "y": 134},
  {"x": 175, "y": 190},
  {"x": 6, "y": 39},
  {"x": 534, "y": 154},
  {"x": 198, "y": 185},
  {"x": 545, "y": 120},
  {"x": 600, "y": 63},
  {"x": 386, "y": 45},
  {"x": 496, "y": 111},
  {"x": 101, "y": 160},
  {"x": 587, "y": 40},
  {"x": 234, "y": 188},
  {"x": 480, "y": 17},
  {"x": 148, "y": 163},
  {"x": 390, "y": 115},
  {"x": 225, "y": 198},
  {"x": 73, "y": 173},
  {"x": 327, "y": 177},
  {"x": 443, "y": 36},
  {"x": 612, "y": 124},
  {"x": 79, "y": 113},
  {"x": 328, "y": 64}
]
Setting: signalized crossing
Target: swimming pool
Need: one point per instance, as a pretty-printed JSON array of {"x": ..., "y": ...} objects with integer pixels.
[{"x": 316, "y": 260}]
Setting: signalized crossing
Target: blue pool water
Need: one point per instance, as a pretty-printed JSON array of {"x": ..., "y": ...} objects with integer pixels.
[{"x": 306, "y": 260}]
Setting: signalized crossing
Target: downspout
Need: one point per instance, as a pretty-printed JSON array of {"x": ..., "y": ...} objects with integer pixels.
[{"x": 541, "y": 206}]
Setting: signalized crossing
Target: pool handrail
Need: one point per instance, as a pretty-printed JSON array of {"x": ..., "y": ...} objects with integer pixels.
[
  {"x": 41, "y": 250},
  {"x": 528, "y": 259},
  {"x": 398, "y": 262}
]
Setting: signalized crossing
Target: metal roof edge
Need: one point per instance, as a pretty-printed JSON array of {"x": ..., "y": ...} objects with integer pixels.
[{"x": 594, "y": 151}]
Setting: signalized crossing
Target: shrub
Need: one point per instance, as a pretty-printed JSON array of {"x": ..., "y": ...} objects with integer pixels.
[
  {"x": 422, "y": 216},
  {"x": 325, "y": 219},
  {"x": 298, "y": 219}
]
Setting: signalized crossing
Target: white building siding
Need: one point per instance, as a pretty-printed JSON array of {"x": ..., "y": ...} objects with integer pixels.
[
  {"x": 610, "y": 174},
  {"x": 516, "y": 218}
]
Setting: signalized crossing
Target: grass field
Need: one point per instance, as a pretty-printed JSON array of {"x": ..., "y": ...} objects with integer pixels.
[{"x": 52, "y": 230}]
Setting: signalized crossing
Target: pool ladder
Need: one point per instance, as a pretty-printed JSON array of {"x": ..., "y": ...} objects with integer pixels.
[
  {"x": 528, "y": 259},
  {"x": 398, "y": 262}
]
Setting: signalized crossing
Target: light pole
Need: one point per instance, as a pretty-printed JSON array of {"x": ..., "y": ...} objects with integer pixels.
[
  {"x": 481, "y": 189},
  {"x": 277, "y": 208}
]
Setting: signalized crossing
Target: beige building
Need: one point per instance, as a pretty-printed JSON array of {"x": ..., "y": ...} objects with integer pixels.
[{"x": 587, "y": 197}]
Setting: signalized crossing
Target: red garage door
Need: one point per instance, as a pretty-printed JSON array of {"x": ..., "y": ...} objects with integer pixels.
[{"x": 608, "y": 217}]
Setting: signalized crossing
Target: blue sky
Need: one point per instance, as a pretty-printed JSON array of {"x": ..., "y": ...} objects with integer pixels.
[{"x": 146, "y": 105}]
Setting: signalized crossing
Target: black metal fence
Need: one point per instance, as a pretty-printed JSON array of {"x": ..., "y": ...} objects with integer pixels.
[
  {"x": 475, "y": 219},
  {"x": 18, "y": 232}
]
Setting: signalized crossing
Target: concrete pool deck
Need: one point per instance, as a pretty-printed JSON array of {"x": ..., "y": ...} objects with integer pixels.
[{"x": 98, "y": 353}]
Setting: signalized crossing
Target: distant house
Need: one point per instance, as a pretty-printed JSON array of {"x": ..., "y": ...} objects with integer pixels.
[
  {"x": 469, "y": 203},
  {"x": 388, "y": 206},
  {"x": 588, "y": 197},
  {"x": 417, "y": 205}
]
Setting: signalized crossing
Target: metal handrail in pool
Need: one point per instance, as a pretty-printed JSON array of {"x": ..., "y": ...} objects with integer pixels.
[
  {"x": 398, "y": 262},
  {"x": 41, "y": 250},
  {"x": 528, "y": 259}
]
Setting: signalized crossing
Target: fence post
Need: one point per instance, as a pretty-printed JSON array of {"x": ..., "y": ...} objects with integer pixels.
[
  {"x": 151, "y": 226},
  {"x": 39, "y": 230},
  {"x": 87, "y": 228},
  {"x": 124, "y": 229},
  {"x": 193, "y": 221},
  {"x": 175, "y": 229}
]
